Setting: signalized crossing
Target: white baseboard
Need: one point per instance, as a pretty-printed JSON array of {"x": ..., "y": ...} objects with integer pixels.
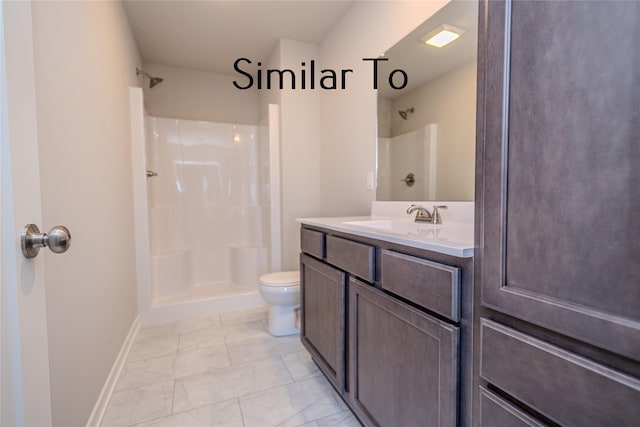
[{"x": 95, "y": 419}]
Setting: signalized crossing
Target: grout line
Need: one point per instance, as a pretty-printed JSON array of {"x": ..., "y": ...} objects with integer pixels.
[{"x": 173, "y": 397}]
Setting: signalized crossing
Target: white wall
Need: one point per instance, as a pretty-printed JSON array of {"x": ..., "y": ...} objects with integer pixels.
[
  {"x": 85, "y": 60},
  {"x": 300, "y": 147},
  {"x": 349, "y": 117},
  {"x": 199, "y": 95},
  {"x": 450, "y": 102}
]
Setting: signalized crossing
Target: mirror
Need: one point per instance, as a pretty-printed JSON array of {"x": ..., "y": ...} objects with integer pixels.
[{"x": 426, "y": 131}]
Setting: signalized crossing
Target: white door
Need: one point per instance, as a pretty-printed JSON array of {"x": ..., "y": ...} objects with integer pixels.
[{"x": 24, "y": 360}]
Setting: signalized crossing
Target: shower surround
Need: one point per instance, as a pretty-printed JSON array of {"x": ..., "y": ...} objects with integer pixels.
[{"x": 209, "y": 213}]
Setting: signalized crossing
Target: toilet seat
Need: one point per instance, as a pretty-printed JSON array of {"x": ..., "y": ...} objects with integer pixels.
[{"x": 281, "y": 279}]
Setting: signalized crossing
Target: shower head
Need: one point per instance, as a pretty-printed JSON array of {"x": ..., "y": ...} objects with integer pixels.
[
  {"x": 405, "y": 113},
  {"x": 153, "y": 81}
]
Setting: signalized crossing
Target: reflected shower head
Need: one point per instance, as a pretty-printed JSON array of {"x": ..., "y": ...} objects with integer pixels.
[
  {"x": 153, "y": 81},
  {"x": 405, "y": 113}
]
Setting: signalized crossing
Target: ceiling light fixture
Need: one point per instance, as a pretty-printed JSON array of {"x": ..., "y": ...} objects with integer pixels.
[{"x": 442, "y": 36}]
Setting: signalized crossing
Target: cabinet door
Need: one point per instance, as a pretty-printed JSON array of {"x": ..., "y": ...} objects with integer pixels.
[
  {"x": 323, "y": 317},
  {"x": 559, "y": 150},
  {"x": 403, "y": 363}
]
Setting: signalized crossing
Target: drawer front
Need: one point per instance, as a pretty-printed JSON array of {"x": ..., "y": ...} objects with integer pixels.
[
  {"x": 495, "y": 411},
  {"x": 312, "y": 242},
  {"x": 356, "y": 258},
  {"x": 430, "y": 284},
  {"x": 567, "y": 388}
]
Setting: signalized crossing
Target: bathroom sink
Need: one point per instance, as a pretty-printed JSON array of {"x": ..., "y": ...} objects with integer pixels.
[{"x": 395, "y": 226}]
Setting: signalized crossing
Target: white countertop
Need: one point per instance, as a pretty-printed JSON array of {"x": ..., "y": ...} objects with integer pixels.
[{"x": 449, "y": 238}]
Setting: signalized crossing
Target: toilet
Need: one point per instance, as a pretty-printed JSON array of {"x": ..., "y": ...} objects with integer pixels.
[{"x": 282, "y": 291}]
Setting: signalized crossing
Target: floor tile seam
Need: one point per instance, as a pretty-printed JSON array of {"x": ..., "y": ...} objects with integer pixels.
[
  {"x": 270, "y": 389},
  {"x": 127, "y": 363},
  {"x": 151, "y": 357},
  {"x": 135, "y": 387},
  {"x": 199, "y": 346},
  {"x": 150, "y": 420},
  {"x": 297, "y": 413},
  {"x": 174, "y": 378},
  {"x": 148, "y": 340},
  {"x": 244, "y": 421},
  {"x": 274, "y": 357}
]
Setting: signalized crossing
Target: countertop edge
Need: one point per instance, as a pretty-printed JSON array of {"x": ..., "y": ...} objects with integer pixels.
[{"x": 337, "y": 224}]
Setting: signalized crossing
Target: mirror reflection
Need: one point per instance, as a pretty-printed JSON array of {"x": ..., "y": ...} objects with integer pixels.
[{"x": 426, "y": 131}]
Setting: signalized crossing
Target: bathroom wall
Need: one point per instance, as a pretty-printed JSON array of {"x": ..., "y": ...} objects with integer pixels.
[
  {"x": 349, "y": 118},
  {"x": 199, "y": 95},
  {"x": 300, "y": 147},
  {"x": 85, "y": 60},
  {"x": 450, "y": 102}
]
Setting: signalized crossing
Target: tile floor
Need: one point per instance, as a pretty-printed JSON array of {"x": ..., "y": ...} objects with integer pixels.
[{"x": 223, "y": 370}]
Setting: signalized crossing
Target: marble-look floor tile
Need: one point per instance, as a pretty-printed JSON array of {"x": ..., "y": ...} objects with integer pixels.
[
  {"x": 147, "y": 371},
  {"x": 224, "y": 414},
  {"x": 146, "y": 348},
  {"x": 179, "y": 327},
  {"x": 300, "y": 365},
  {"x": 229, "y": 383},
  {"x": 206, "y": 358},
  {"x": 237, "y": 317},
  {"x": 246, "y": 331},
  {"x": 262, "y": 348},
  {"x": 139, "y": 404},
  {"x": 343, "y": 419},
  {"x": 292, "y": 405},
  {"x": 201, "y": 338}
]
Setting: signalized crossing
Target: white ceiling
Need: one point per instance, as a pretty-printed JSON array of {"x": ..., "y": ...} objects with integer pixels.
[
  {"x": 211, "y": 35},
  {"x": 423, "y": 63}
]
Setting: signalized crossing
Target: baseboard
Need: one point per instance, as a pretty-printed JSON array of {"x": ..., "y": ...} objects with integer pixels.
[{"x": 95, "y": 419}]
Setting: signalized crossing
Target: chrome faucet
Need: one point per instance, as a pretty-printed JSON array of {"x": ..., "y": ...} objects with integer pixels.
[{"x": 424, "y": 215}]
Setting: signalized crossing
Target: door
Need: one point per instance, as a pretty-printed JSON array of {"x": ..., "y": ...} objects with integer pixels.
[
  {"x": 24, "y": 369},
  {"x": 560, "y": 189},
  {"x": 322, "y": 331},
  {"x": 403, "y": 364}
]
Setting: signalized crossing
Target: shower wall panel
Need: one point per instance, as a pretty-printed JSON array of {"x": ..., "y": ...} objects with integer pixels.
[{"x": 209, "y": 192}]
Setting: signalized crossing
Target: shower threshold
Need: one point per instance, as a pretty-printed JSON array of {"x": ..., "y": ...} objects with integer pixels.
[{"x": 204, "y": 300}]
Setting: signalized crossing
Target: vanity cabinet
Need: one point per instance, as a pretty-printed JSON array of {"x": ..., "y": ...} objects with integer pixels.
[
  {"x": 388, "y": 325},
  {"x": 558, "y": 302}
]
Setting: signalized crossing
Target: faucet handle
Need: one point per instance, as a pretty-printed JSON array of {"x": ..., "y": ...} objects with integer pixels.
[{"x": 437, "y": 219}]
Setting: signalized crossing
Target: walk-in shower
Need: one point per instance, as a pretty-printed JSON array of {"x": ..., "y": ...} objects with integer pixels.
[{"x": 209, "y": 216}]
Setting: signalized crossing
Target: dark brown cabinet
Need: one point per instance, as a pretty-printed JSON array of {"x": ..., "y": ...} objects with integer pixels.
[
  {"x": 323, "y": 321},
  {"x": 558, "y": 302},
  {"x": 389, "y": 327},
  {"x": 400, "y": 355}
]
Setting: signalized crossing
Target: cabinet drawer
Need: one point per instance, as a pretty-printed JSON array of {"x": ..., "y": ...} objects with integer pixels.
[
  {"x": 312, "y": 242},
  {"x": 567, "y": 388},
  {"x": 430, "y": 284},
  {"x": 495, "y": 411},
  {"x": 356, "y": 258}
]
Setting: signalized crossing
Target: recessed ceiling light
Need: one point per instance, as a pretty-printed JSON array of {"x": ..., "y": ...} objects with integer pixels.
[{"x": 442, "y": 36}]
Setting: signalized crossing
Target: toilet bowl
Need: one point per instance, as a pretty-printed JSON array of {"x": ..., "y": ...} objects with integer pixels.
[{"x": 282, "y": 291}]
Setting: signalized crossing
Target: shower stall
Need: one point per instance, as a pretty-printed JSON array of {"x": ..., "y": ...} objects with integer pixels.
[{"x": 212, "y": 219}]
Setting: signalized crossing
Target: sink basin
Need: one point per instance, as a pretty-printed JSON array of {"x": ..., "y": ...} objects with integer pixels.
[{"x": 396, "y": 226}]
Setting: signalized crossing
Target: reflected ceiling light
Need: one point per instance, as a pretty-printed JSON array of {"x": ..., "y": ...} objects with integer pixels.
[{"x": 442, "y": 36}]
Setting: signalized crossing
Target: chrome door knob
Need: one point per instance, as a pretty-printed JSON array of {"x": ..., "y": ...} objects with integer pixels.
[{"x": 57, "y": 240}]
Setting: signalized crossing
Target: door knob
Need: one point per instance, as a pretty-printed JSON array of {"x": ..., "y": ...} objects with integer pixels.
[{"x": 58, "y": 240}]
